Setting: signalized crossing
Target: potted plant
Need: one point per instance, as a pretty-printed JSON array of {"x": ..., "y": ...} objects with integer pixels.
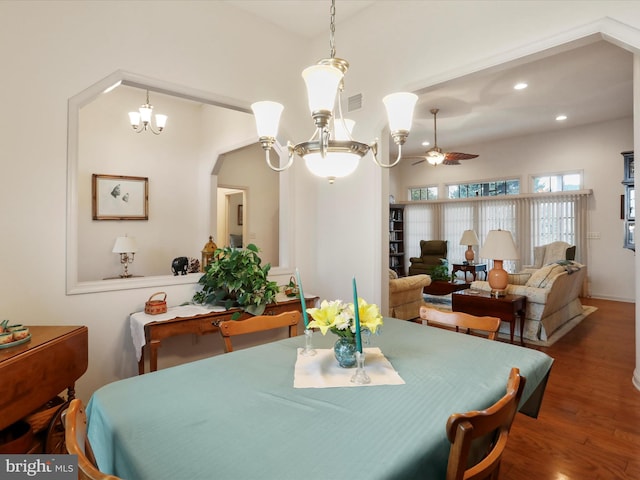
[
  {"x": 236, "y": 277},
  {"x": 441, "y": 272}
]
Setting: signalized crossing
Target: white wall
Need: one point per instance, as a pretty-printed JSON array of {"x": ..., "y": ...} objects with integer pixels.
[
  {"x": 52, "y": 50},
  {"x": 593, "y": 149}
]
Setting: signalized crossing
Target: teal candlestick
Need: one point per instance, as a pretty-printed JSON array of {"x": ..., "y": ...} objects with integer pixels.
[
  {"x": 357, "y": 313},
  {"x": 302, "y": 302}
]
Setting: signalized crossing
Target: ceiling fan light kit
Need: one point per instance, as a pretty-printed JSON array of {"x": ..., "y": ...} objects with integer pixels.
[{"x": 331, "y": 152}]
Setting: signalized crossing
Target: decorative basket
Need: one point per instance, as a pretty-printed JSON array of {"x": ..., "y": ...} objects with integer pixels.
[
  {"x": 154, "y": 307},
  {"x": 40, "y": 419}
]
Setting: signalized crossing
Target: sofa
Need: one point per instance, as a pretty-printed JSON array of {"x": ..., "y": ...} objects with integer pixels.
[
  {"x": 431, "y": 254},
  {"x": 552, "y": 293},
  {"x": 405, "y": 295}
]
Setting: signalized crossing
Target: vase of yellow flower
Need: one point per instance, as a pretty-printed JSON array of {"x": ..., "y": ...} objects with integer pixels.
[
  {"x": 345, "y": 351},
  {"x": 339, "y": 317}
]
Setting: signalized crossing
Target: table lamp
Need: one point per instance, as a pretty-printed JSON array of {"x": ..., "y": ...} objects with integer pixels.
[
  {"x": 126, "y": 247},
  {"x": 470, "y": 239},
  {"x": 499, "y": 246}
]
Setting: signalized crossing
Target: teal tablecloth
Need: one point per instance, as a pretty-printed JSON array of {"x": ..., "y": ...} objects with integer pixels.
[{"x": 237, "y": 415}]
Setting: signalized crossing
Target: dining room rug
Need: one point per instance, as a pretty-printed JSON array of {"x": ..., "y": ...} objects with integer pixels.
[{"x": 443, "y": 303}]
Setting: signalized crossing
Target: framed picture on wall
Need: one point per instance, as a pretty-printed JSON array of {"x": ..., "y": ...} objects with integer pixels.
[
  {"x": 117, "y": 197},
  {"x": 240, "y": 214}
]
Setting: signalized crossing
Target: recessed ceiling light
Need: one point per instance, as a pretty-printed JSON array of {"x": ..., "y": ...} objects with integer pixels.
[
  {"x": 425, "y": 144},
  {"x": 520, "y": 86},
  {"x": 560, "y": 118}
]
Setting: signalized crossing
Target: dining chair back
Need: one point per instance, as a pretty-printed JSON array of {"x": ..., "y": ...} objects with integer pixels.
[
  {"x": 259, "y": 323},
  {"x": 78, "y": 444},
  {"x": 478, "y": 438},
  {"x": 466, "y": 321}
]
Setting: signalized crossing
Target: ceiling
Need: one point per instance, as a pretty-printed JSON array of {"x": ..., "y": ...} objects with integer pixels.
[{"x": 589, "y": 84}]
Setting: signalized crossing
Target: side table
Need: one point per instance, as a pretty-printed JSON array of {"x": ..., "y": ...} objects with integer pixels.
[
  {"x": 481, "y": 303},
  {"x": 472, "y": 268}
]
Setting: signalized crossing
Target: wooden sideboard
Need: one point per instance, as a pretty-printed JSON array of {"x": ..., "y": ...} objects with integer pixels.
[
  {"x": 203, "y": 324},
  {"x": 35, "y": 372}
]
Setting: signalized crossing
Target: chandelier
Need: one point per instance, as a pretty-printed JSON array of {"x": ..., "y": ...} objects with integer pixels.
[
  {"x": 331, "y": 152},
  {"x": 141, "y": 120}
]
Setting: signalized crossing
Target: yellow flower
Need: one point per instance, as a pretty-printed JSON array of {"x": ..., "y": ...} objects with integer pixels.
[
  {"x": 370, "y": 317},
  {"x": 340, "y": 317},
  {"x": 324, "y": 317}
]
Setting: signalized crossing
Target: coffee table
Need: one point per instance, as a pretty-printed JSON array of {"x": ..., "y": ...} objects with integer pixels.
[
  {"x": 442, "y": 287},
  {"x": 481, "y": 303}
]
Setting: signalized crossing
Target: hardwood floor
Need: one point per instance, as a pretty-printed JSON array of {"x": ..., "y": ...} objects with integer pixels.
[{"x": 589, "y": 423}]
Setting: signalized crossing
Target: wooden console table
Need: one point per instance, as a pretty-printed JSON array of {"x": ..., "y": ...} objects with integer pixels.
[
  {"x": 35, "y": 372},
  {"x": 155, "y": 332},
  {"x": 477, "y": 302}
]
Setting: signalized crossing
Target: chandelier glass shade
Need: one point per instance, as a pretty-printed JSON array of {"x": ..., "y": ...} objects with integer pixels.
[
  {"x": 332, "y": 152},
  {"x": 141, "y": 120}
]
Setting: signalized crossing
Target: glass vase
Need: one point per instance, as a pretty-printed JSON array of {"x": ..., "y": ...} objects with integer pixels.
[{"x": 345, "y": 352}]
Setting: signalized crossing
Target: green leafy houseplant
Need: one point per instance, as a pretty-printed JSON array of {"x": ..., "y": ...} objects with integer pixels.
[
  {"x": 237, "y": 278},
  {"x": 440, "y": 272}
]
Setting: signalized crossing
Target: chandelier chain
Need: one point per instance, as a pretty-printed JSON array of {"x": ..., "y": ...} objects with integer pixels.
[{"x": 332, "y": 29}]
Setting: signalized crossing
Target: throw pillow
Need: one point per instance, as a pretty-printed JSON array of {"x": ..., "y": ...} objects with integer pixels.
[
  {"x": 392, "y": 274},
  {"x": 519, "y": 278}
]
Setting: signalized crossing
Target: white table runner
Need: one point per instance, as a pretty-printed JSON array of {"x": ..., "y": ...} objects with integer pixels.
[
  {"x": 140, "y": 319},
  {"x": 322, "y": 370}
]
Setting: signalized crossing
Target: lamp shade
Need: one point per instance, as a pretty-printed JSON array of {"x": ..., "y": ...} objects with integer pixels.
[
  {"x": 435, "y": 157},
  {"x": 400, "y": 107},
  {"x": 333, "y": 165},
  {"x": 499, "y": 245},
  {"x": 161, "y": 121},
  {"x": 125, "y": 245},
  {"x": 322, "y": 86},
  {"x": 267, "y": 115},
  {"x": 469, "y": 237}
]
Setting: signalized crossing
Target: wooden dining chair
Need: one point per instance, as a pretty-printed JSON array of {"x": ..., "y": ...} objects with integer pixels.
[
  {"x": 259, "y": 323},
  {"x": 478, "y": 438},
  {"x": 466, "y": 321},
  {"x": 78, "y": 444}
]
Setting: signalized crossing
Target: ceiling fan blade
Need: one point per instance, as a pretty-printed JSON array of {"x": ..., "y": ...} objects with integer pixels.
[
  {"x": 450, "y": 162},
  {"x": 458, "y": 156},
  {"x": 418, "y": 162}
]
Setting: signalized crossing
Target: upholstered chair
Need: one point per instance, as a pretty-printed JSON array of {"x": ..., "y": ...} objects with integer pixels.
[
  {"x": 551, "y": 253},
  {"x": 431, "y": 254},
  {"x": 405, "y": 295}
]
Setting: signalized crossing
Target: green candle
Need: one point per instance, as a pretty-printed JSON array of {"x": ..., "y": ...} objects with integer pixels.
[
  {"x": 357, "y": 313},
  {"x": 302, "y": 302}
]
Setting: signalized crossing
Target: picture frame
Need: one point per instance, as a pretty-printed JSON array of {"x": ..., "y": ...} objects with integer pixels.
[
  {"x": 119, "y": 197},
  {"x": 240, "y": 214}
]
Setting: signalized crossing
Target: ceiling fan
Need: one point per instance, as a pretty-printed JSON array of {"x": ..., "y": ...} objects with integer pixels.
[{"x": 435, "y": 155}]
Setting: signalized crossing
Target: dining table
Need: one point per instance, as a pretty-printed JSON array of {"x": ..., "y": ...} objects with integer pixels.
[{"x": 269, "y": 412}]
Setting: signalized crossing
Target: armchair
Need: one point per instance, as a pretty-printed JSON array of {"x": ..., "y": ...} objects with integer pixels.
[
  {"x": 550, "y": 253},
  {"x": 405, "y": 295},
  {"x": 431, "y": 253}
]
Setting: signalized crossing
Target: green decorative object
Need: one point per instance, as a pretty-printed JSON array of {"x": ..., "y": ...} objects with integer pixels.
[
  {"x": 441, "y": 272},
  {"x": 237, "y": 278}
]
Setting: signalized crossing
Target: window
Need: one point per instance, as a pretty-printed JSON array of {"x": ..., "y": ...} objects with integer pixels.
[
  {"x": 485, "y": 189},
  {"x": 423, "y": 193},
  {"x": 561, "y": 182},
  {"x": 533, "y": 219}
]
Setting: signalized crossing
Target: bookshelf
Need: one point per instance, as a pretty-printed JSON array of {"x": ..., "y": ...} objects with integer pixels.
[{"x": 396, "y": 239}]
